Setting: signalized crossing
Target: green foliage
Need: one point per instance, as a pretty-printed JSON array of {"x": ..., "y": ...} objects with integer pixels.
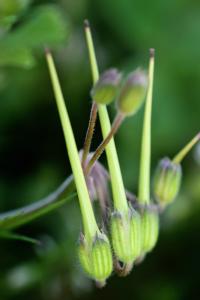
[
  {"x": 10, "y": 10},
  {"x": 45, "y": 25}
]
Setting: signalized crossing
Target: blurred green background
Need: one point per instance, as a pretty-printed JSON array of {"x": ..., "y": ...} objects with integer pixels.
[{"x": 33, "y": 159}]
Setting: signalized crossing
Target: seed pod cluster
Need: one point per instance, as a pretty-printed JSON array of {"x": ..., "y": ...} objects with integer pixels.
[
  {"x": 133, "y": 229},
  {"x": 130, "y": 95},
  {"x": 133, "y": 234}
]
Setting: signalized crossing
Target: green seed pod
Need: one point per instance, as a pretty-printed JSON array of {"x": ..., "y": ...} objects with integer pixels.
[
  {"x": 125, "y": 233},
  {"x": 83, "y": 253},
  {"x": 149, "y": 229},
  {"x": 106, "y": 88},
  {"x": 135, "y": 232},
  {"x": 101, "y": 258},
  {"x": 96, "y": 257},
  {"x": 167, "y": 181},
  {"x": 133, "y": 92},
  {"x": 120, "y": 233}
]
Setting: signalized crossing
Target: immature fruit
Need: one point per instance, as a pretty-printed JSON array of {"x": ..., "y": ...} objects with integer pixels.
[
  {"x": 135, "y": 232},
  {"x": 149, "y": 228},
  {"x": 126, "y": 235},
  {"x": 96, "y": 257},
  {"x": 106, "y": 88},
  {"x": 167, "y": 181},
  {"x": 133, "y": 92}
]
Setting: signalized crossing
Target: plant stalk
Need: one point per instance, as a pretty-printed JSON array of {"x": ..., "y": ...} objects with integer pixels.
[
  {"x": 179, "y": 157},
  {"x": 115, "y": 126},
  {"x": 119, "y": 195},
  {"x": 145, "y": 160},
  {"x": 89, "y": 222},
  {"x": 17, "y": 217},
  {"x": 89, "y": 134}
]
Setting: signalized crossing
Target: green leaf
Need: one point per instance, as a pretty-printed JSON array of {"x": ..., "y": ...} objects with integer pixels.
[
  {"x": 16, "y": 56},
  {"x": 10, "y": 10},
  {"x": 17, "y": 217},
  {"x": 12, "y": 7},
  {"x": 45, "y": 26}
]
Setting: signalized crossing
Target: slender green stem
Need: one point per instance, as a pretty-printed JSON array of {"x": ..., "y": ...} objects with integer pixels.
[
  {"x": 23, "y": 215},
  {"x": 89, "y": 222},
  {"x": 89, "y": 134},
  {"x": 115, "y": 126},
  {"x": 13, "y": 236},
  {"x": 17, "y": 217},
  {"x": 92, "y": 55},
  {"x": 179, "y": 157},
  {"x": 145, "y": 160},
  {"x": 119, "y": 195}
]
